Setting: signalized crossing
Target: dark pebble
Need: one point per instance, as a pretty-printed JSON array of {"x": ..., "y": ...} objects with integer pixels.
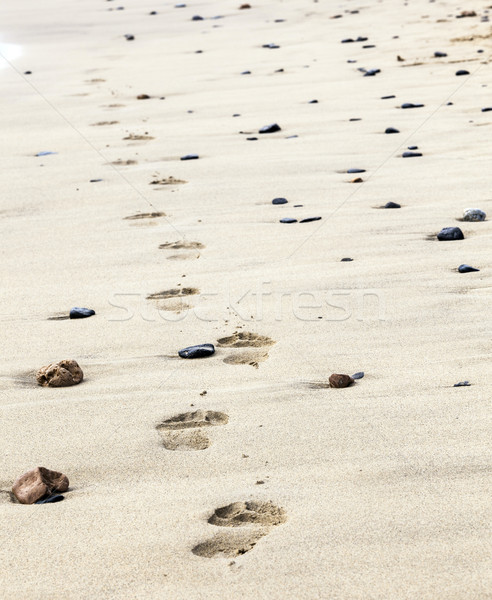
[
  {"x": 346, "y": 259},
  {"x": 449, "y": 104},
  {"x": 270, "y": 128},
  {"x": 290, "y": 137},
  {"x": 448, "y": 234},
  {"x": 179, "y": 5},
  {"x": 278, "y": 71},
  {"x": 372, "y": 72},
  {"x": 27, "y": 72},
  {"x": 298, "y": 205},
  {"x": 236, "y": 115},
  {"x": 279, "y": 201},
  {"x": 50, "y": 499},
  {"x": 392, "y": 205},
  {"x": 369, "y": 46},
  {"x": 351, "y": 61},
  {"x": 45, "y": 153},
  {"x": 487, "y": 109},
  {"x": 197, "y": 18},
  {"x": 462, "y": 72},
  {"x": 199, "y": 351},
  {"x": 387, "y": 97},
  {"x": 94, "y": 180},
  {"x": 81, "y": 313},
  {"x": 355, "y": 119},
  {"x": 411, "y": 105},
  {"x": 271, "y": 46},
  {"x": 251, "y": 139},
  {"x": 391, "y": 130},
  {"x": 245, "y": 72},
  {"x": 467, "y": 269},
  {"x": 462, "y": 384},
  {"x": 313, "y": 102},
  {"x": 440, "y": 54},
  {"x": 309, "y": 219},
  {"x": 413, "y": 147},
  {"x": 361, "y": 39},
  {"x": 350, "y": 171},
  {"x": 358, "y": 375},
  {"x": 153, "y": 12},
  {"x": 288, "y": 220},
  {"x": 129, "y": 37},
  {"x": 347, "y": 41},
  {"x": 190, "y": 157},
  {"x": 411, "y": 154}
]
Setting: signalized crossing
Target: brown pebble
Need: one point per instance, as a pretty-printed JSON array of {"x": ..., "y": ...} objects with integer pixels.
[
  {"x": 357, "y": 180},
  {"x": 60, "y": 374},
  {"x": 38, "y": 482},
  {"x": 143, "y": 97},
  {"x": 337, "y": 380},
  {"x": 243, "y": 6}
]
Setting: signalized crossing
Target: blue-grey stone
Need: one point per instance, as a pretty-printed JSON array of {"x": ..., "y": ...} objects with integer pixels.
[
  {"x": 310, "y": 219},
  {"x": 473, "y": 214},
  {"x": 411, "y": 154},
  {"x": 467, "y": 269},
  {"x": 279, "y": 201},
  {"x": 391, "y": 130},
  {"x": 81, "y": 313},
  {"x": 392, "y": 205},
  {"x": 462, "y": 72},
  {"x": 351, "y": 171},
  {"x": 190, "y": 157},
  {"x": 358, "y": 375},
  {"x": 50, "y": 499},
  {"x": 198, "y": 351},
  {"x": 462, "y": 383},
  {"x": 448, "y": 234},
  {"x": 288, "y": 220},
  {"x": 270, "y": 128},
  {"x": 411, "y": 105}
]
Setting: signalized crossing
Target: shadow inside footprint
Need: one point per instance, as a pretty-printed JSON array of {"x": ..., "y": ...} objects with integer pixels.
[
  {"x": 251, "y": 358},
  {"x": 152, "y": 215},
  {"x": 243, "y": 339},
  {"x": 182, "y": 246},
  {"x": 227, "y": 545},
  {"x": 173, "y": 293},
  {"x": 175, "y": 432}
]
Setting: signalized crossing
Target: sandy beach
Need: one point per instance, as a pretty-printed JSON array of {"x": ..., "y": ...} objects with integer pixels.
[{"x": 244, "y": 475}]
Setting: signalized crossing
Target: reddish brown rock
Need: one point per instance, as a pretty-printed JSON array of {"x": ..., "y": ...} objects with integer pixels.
[
  {"x": 243, "y": 6},
  {"x": 60, "y": 374},
  {"x": 338, "y": 380},
  {"x": 38, "y": 482}
]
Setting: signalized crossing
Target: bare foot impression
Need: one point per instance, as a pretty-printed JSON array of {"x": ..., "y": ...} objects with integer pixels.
[
  {"x": 167, "y": 181},
  {"x": 257, "y": 516},
  {"x": 152, "y": 215},
  {"x": 185, "y": 431},
  {"x": 183, "y": 245},
  {"x": 173, "y": 293},
  {"x": 246, "y": 339}
]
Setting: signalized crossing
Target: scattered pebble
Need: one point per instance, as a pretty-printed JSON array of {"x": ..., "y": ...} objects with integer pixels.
[
  {"x": 473, "y": 214},
  {"x": 356, "y": 180},
  {"x": 81, "y": 313},
  {"x": 271, "y": 46},
  {"x": 411, "y": 105},
  {"x": 309, "y": 219},
  {"x": 251, "y": 139},
  {"x": 467, "y": 269},
  {"x": 129, "y": 37},
  {"x": 353, "y": 171},
  {"x": 270, "y": 128},
  {"x": 440, "y": 54},
  {"x": 245, "y": 72},
  {"x": 196, "y": 18},
  {"x": 143, "y": 97},
  {"x": 487, "y": 109},
  {"x": 391, "y": 130},
  {"x": 95, "y": 180},
  {"x": 358, "y": 375},
  {"x": 61, "y": 374},
  {"x": 387, "y": 97},
  {"x": 392, "y": 205},
  {"x": 411, "y": 154},
  {"x": 462, "y": 384},
  {"x": 448, "y": 234},
  {"x": 279, "y": 201},
  {"x": 346, "y": 259},
  {"x": 27, "y": 72},
  {"x": 313, "y": 102},
  {"x": 38, "y": 483},
  {"x": 413, "y": 147},
  {"x": 288, "y": 220},
  {"x": 338, "y": 380},
  {"x": 45, "y": 153},
  {"x": 190, "y": 157},
  {"x": 462, "y": 72},
  {"x": 198, "y": 351}
]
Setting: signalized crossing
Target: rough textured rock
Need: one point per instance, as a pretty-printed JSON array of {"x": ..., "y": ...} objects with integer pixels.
[
  {"x": 338, "y": 380},
  {"x": 473, "y": 214},
  {"x": 448, "y": 234},
  {"x": 60, "y": 374},
  {"x": 33, "y": 485}
]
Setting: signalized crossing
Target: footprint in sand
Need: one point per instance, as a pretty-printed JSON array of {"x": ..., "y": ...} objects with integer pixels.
[
  {"x": 183, "y": 245},
  {"x": 246, "y": 339},
  {"x": 173, "y": 293},
  {"x": 167, "y": 181},
  {"x": 186, "y": 431},
  {"x": 138, "y": 216},
  {"x": 257, "y": 516},
  {"x": 103, "y": 123},
  {"x": 136, "y": 137}
]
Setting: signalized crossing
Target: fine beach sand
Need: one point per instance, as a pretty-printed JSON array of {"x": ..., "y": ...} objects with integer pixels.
[{"x": 378, "y": 491}]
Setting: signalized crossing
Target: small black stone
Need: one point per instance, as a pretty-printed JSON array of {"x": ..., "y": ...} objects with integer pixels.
[
  {"x": 271, "y": 46},
  {"x": 355, "y": 119},
  {"x": 487, "y": 109},
  {"x": 358, "y": 375},
  {"x": 279, "y": 71},
  {"x": 462, "y": 72},
  {"x": 391, "y": 130},
  {"x": 346, "y": 259},
  {"x": 351, "y": 61},
  {"x": 236, "y": 115},
  {"x": 448, "y": 234},
  {"x": 190, "y": 157},
  {"x": 392, "y": 205},
  {"x": 270, "y": 128},
  {"x": 27, "y": 72},
  {"x": 81, "y": 313},
  {"x": 387, "y": 97},
  {"x": 351, "y": 171},
  {"x": 179, "y": 5},
  {"x": 129, "y": 37},
  {"x": 413, "y": 147},
  {"x": 369, "y": 46},
  {"x": 361, "y": 39},
  {"x": 49, "y": 499},
  {"x": 245, "y": 72},
  {"x": 313, "y": 102},
  {"x": 462, "y": 384},
  {"x": 197, "y": 18},
  {"x": 279, "y": 201},
  {"x": 440, "y": 54},
  {"x": 198, "y": 351},
  {"x": 298, "y": 205},
  {"x": 411, "y": 105},
  {"x": 309, "y": 219},
  {"x": 467, "y": 269},
  {"x": 411, "y": 154},
  {"x": 347, "y": 41},
  {"x": 290, "y": 137},
  {"x": 153, "y": 12},
  {"x": 251, "y": 139},
  {"x": 94, "y": 180},
  {"x": 288, "y": 220}
]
